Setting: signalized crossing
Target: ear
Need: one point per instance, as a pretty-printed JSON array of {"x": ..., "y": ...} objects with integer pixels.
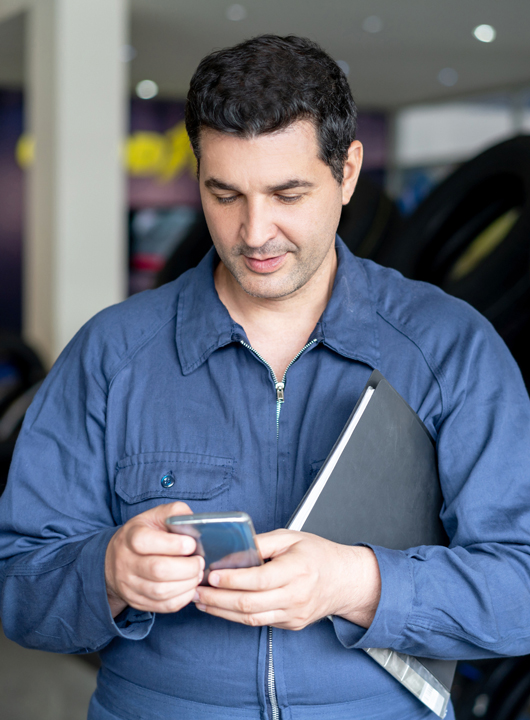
[{"x": 352, "y": 168}]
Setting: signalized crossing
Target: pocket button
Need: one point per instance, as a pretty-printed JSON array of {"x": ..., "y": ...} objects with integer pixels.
[{"x": 167, "y": 481}]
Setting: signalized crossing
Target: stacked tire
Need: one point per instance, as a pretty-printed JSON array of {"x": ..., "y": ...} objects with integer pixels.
[
  {"x": 471, "y": 237},
  {"x": 21, "y": 374}
]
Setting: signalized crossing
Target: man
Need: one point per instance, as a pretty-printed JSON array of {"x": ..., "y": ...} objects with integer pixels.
[{"x": 225, "y": 390}]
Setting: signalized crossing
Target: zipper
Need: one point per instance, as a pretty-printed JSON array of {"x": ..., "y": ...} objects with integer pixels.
[
  {"x": 278, "y": 386},
  {"x": 271, "y": 680},
  {"x": 280, "y": 399}
]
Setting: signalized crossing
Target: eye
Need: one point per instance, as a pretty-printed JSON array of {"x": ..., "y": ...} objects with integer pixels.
[
  {"x": 227, "y": 199},
  {"x": 289, "y": 199}
]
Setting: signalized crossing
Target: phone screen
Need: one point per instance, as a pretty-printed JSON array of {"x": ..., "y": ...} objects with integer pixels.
[{"x": 225, "y": 540}]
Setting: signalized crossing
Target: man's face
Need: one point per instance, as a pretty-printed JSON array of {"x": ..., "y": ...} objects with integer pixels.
[{"x": 272, "y": 207}]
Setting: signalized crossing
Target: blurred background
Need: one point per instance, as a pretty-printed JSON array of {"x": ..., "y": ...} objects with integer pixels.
[{"x": 98, "y": 196}]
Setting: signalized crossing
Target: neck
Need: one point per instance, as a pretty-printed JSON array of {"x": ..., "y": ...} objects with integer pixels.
[{"x": 278, "y": 328}]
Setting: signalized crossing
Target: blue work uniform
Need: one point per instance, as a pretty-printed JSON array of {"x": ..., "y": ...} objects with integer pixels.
[{"x": 166, "y": 384}]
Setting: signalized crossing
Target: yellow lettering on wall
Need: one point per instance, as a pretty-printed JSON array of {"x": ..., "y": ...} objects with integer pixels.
[
  {"x": 180, "y": 155},
  {"x": 25, "y": 151},
  {"x": 146, "y": 154}
]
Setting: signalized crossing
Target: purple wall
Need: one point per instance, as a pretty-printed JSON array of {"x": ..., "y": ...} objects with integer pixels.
[
  {"x": 11, "y": 211},
  {"x": 372, "y": 131}
]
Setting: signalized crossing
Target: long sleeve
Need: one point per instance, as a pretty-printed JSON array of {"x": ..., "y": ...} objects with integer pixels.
[
  {"x": 470, "y": 600},
  {"x": 56, "y": 516}
]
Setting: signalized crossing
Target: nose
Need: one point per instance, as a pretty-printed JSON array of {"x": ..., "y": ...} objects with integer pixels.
[{"x": 257, "y": 225}]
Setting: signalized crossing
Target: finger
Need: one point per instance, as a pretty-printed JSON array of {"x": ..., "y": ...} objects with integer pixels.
[
  {"x": 160, "y": 568},
  {"x": 275, "y": 574},
  {"x": 161, "y": 592},
  {"x": 272, "y": 617},
  {"x": 172, "y": 605},
  {"x": 243, "y": 602},
  {"x": 145, "y": 540},
  {"x": 276, "y": 542}
]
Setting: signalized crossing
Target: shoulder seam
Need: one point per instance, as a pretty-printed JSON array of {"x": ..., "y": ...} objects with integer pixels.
[
  {"x": 435, "y": 369},
  {"x": 124, "y": 361},
  {"x": 373, "y": 303}
]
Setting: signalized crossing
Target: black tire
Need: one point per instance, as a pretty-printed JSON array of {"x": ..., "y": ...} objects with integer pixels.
[
  {"x": 17, "y": 395},
  {"x": 493, "y": 689},
  {"x": 15, "y": 353},
  {"x": 492, "y": 188},
  {"x": 452, "y": 216},
  {"x": 188, "y": 253},
  {"x": 369, "y": 221}
]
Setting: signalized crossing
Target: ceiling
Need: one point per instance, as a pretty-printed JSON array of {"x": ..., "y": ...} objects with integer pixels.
[{"x": 399, "y": 65}]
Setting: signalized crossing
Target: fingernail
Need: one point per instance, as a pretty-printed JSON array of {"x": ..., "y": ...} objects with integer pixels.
[
  {"x": 196, "y": 597},
  {"x": 202, "y": 608},
  {"x": 213, "y": 579}
]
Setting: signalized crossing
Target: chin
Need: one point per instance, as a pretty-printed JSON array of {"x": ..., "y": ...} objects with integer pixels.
[
  {"x": 284, "y": 282},
  {"x": 269, "y": 290}
]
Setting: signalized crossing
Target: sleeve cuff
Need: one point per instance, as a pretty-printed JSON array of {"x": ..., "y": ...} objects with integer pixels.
[
  {"x": 395, "y": 605},
  {"x": 131, "y": 624}
]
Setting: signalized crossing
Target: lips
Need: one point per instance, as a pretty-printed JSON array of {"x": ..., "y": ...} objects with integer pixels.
[{"x": 266, "y": 265}]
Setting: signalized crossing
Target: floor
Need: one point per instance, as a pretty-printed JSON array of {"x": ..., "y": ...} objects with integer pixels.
[{"x": 36, "y": 685}]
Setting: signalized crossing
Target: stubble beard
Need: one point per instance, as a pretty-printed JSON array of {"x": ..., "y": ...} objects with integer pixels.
[{"x": 303, "y": 270}]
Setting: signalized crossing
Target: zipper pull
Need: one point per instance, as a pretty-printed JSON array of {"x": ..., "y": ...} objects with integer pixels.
[{"x": 279, "y": 391}]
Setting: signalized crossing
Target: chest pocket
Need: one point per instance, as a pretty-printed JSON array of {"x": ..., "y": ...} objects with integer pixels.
[{"x": 150, "y": 479}]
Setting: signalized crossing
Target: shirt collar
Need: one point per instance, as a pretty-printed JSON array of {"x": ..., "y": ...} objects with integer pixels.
[{"x": 347, "y": 326}]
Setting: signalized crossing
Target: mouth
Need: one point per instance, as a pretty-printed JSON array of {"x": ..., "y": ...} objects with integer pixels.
[{"x": 265, "y": 265}]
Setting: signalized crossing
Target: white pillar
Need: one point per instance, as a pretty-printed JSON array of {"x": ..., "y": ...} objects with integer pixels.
[
  {"x": 76, "y": 102},
  {"x": 11, "y": 7}
]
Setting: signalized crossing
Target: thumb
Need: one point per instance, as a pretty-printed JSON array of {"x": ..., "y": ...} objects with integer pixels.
[
  {"x": 157, "y": 516},
  {"x": 275, "y": 543}
]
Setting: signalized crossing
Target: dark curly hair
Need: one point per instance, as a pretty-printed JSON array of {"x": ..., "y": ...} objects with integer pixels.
[{"x": 268, "y": 82}]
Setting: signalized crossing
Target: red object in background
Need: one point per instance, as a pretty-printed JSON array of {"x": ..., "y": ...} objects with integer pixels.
[{"x": 148, "y": 261}]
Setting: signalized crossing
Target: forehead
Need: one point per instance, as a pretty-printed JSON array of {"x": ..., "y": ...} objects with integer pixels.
[{"x": 293, "y": 148}]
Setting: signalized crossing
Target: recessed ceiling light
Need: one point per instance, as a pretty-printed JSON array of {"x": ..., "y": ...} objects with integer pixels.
[
  {"x": 147, "y": 89},
  {"x": 344, "y": 66},
  {"x": 127, "y": 53},
  {"x": 236, "y": 12},
  {"x": 485, "y": 33},
  {"x": 448, "y": 77},
  {"x": 372, "y": 24}
]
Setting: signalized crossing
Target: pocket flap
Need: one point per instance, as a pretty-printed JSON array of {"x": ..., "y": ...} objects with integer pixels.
[{"x": 193, "y": 476}]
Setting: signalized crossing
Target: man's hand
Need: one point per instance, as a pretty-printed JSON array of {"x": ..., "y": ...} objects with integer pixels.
[
  {"x": 147, "y": 567},
  {"x": 307, "y": 579}
]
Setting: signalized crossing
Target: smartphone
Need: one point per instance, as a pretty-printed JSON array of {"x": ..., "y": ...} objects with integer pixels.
[{"x": 225, "y": 540}]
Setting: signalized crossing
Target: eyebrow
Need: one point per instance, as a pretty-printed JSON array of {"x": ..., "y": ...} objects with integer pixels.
[
  {"x": 290, "y": 184},
  {"x": 216, "y": 184}
]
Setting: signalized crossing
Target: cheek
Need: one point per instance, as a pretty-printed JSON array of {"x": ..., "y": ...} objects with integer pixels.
[
  {"x": 308, "y": 226},
  {"x": 297, "y": 220},
  {"x": 222, "y": 223}
]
